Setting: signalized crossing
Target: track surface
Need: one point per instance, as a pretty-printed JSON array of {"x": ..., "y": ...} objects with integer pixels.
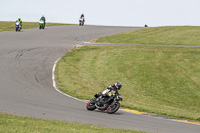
[{"x": 26, "y": 62}]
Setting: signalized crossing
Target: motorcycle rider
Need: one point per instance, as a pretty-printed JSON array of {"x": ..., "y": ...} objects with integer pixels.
[
  {"x": 112, "y": 89},
  {"x": 83, "y": 18},
  {"x": 19, "y": 21},
  {"x": 43, "y": 18}
]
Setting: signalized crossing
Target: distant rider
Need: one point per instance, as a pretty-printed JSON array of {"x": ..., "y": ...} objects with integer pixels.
[
  {"x": 82, "y": 18},
  {"x": 43, "y": 18},
  {"x": 112, "y": 89},
  {"x": 19, "y": 21}
]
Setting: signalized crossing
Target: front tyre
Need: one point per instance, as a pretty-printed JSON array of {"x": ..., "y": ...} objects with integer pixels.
[
  {"x": 113, "y": 108},
  {"x": 91, "y": 105}
]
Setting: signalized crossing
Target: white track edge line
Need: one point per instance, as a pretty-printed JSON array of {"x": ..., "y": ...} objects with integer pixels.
[
  {"x": 54, "y": 82},
  {"x": 54, "y": 85}
]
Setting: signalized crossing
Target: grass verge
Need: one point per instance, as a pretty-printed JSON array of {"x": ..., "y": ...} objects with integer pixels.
[
  {"x": 162, "y": 80},
  {"x": 10, "y": 123},
  {"x": 169, "y": 35},
  {"x": 10, "y": 26}
]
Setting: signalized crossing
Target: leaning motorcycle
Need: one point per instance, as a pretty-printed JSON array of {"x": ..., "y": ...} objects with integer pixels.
[
  {"x": 109, "y": 103},
  {"x": 41, "y": 24},
  {"x": 17, "y": 26}
]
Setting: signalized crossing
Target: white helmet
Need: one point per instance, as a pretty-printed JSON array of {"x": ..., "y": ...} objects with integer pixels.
[{"x": 118, "y": 85}]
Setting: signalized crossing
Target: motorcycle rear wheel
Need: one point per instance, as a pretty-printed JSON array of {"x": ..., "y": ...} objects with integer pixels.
[{"x": 91, "y": 105}]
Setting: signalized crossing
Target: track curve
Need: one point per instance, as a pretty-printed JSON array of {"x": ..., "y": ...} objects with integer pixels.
[{"x": 26, "y": 89}]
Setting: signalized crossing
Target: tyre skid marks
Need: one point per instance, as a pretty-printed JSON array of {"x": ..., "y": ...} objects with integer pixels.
[{"x": 15, "y": 54}]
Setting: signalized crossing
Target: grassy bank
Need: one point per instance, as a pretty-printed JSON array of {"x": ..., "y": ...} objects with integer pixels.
[
  {"x": 172, "y": 35},
  {"x": 162, "y": 80},
  {"x": 10, "y": 123},
  {"x": 10, "y": 26}
]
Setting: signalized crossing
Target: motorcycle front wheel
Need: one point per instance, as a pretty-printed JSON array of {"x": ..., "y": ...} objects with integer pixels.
[{"x": 113, "y": 108}]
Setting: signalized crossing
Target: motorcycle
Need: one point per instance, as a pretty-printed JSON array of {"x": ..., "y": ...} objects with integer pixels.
[
  {"x": 81, "y": 22},
  {"x": 17, "y": 26},
  {"x": 109, "y": 103},
  {"x": 41, "y": 24}
]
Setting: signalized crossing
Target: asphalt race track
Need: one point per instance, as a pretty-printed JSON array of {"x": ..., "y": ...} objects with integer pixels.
[{"x": 26, "y": 88}]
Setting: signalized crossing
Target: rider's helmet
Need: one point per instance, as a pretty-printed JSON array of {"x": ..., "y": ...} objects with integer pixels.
[
  {"x": 82, "y": 15},
  {"x": 19, "y": 18},
  {"x": 118, "y": 85}
]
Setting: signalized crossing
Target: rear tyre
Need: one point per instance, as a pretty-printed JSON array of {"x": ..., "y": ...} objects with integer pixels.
[
  {"x": 91, "y": 105},
  {"x": 40, "y": 27},
  {"x": 113, "y": 108}
]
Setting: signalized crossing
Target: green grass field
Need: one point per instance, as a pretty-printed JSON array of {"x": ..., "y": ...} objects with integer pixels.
[
  {"x": 171, "y": 35},
  {"x": 17, "y": 124},
  {"x": 162, "y": 80},
  {"x": 10, "y": 26}
]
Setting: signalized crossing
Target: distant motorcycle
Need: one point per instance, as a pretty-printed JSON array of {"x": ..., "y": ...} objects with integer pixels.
[
  {"x": 41, "y": 24},
  {"x": 81, "y": 22},
  {"x": 17, "y": 26},
  {"x": 109, "y": 103}
]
